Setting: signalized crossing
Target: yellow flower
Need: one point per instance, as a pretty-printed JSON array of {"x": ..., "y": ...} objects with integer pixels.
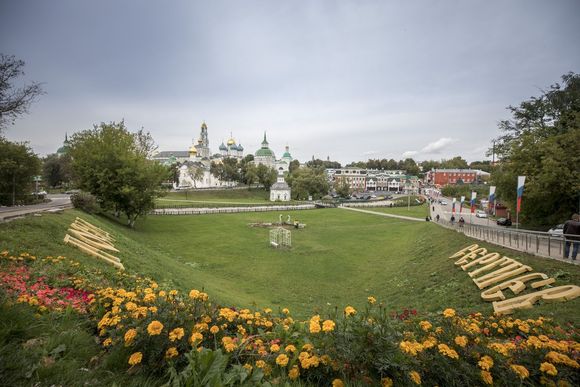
[
  {"x": 430, "y": 342},
  {"x": 294, "y": 373},
  {"x": 337, "y": 383},
  {"x": 193, "y": 294},
  {"x": 415, "y": 377},
  {"x": 248, "y": 367},
  {"x": 386, "y": 382},
  {"x": 214, "y": 329},
  {"x": 349, "y": 311},
  {"x": 461, "y": 341},
  {"x": 448, "y": 313},
  {"x": 107, "y": 342},
  {"x": 521, "y": 371},
  {"x": 267, "y": 310},
  {"x": 154, "y": 328},
  {"x": 274, "y": 348},
  {"x": 548, "y": 368},
  {"x": 162, "y": 293},
  {"x": 130, "y": 306},
  {"x": 229, "y": 344},
  {"x": 290, "y": 348},
  {"x": 196, "y": 337},
  {"x": 486, "y": 363},
  {"x": 149, "y": 297},
  {"x": 176, "y": 334},
  {"x": 411, "y": 347},
  {"x": 445, "y": 350},
  {"x": 328, "y": 326},
  {"x": 130, "y": 335},
  {"x": 371, "y": 300},
  {"x": 260, "y": 364},
  {"x": 315, "y": 324},
  {"x": 425, "y": 325},
  {"x": 486, "y": 377},
  {"x": 286, "y": 311},
  {"x": 135, "y": 358},
  {"x": 282, "y": 360},
  {"x": 308, "y": 347},
  {"x": 171, "y": 353}
]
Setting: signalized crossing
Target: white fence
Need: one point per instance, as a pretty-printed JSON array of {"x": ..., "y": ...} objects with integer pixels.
[{"x": 228, "y": 210}]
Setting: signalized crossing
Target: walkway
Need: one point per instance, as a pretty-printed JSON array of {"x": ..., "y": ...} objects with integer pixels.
[
  {"x": 56, "y": 202},
  {"x": 383, "y": 214}
]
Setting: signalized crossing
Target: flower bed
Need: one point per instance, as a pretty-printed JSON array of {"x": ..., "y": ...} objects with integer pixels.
[{"x": 157, "y": 329}]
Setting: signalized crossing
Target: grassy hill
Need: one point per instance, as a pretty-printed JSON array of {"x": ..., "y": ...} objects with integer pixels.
[{"x": 340, "y": 258}]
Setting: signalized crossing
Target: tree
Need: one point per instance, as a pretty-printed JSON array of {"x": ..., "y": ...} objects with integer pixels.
[
  {"x": 56, "y": 170},
  {"x": 18, "y": 166},
  {"x": 342, "y": 188},
  {"x": 14, "y": 102},
  {"x": 266, "y": 176},
  {"x": 541, "y": 142},
  {"x": 308, "y": 181},
  {"x": 455, "y": 163},
  {"x": 196, "y": 173},
  {"x": 110, "y": 163},
  {"x": 250, "y": 174},
  {"x": 294, "y": 165}
]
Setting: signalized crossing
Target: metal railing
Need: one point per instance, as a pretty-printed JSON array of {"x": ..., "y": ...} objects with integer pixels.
[{"x": 537, "y": 243}]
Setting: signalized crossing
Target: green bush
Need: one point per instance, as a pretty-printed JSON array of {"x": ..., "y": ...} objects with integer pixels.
[{"x": 85, "y": 201}]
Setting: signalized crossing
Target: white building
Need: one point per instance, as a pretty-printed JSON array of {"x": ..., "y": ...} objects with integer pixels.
[
  {"x": 266, "y": 156},
  {"x": 280, "y": 190}
]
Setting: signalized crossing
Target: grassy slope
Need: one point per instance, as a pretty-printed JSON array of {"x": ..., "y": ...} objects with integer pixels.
[
  {"x": 415, "y": 211},
  {"x": 234, "y": 195},
  {"x": 340, "y": 258}
]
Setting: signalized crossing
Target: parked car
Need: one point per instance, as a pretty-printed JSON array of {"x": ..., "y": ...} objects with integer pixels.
[
  {"x": 504, "y": 222},
  {"x": 443, "y": 203},
  {"x": 480, "y": 214},
  {"x": 557, "y": 231}
]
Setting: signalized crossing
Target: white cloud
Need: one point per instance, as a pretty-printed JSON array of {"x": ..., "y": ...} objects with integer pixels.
[
  {"x": 438, "y": 146},
  {"x": 409, "y": 154}
]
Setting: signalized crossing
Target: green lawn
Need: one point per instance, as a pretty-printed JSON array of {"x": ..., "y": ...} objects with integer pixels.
[
  {"x": 420, "y": 211},
  {"x": 340, "y": 258},
  {"x": 254, "y": 195}
]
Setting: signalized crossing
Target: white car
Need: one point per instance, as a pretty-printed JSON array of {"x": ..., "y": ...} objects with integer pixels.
[
  {"x": 480, "y": 214},
  {"x": 557, "y": 231},
  {"x": 443, "y": 203}
]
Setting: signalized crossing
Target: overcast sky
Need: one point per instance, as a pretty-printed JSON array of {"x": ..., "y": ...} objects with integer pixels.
[{"x": 347, "y": 79}]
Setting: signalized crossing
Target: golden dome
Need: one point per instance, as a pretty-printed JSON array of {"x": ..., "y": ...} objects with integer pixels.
[
  {"x": 192, "y": 149},
  {"x": 231, "y": 141}
]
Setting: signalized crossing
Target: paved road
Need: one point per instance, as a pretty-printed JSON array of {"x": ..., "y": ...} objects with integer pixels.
[
  {"x": 446, "y": 211},
  {"x": 56, "y": 201},
  {"x": 383, "y": 214}
]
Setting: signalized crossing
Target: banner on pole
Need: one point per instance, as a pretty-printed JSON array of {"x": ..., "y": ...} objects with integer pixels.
[
  {"x": 521, "y": 181},
  {"x": 461, "y": 205},
  {"x": 473, "y": 195},
  {"x": 453, "y": 206},
  {"x": 491, "y": 197}
]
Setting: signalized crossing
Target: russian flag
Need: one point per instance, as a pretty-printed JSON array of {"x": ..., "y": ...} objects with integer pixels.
[
  {"x": 453, "y": 206},
  {"x": 461, "y": 206},
  {"x": 473, "y": 195},
  {"x": 521, "y": 181}
]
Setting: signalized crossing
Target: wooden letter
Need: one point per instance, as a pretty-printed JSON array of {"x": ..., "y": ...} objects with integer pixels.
[
  {"x": 560, "y": 293},
  {"x": 516, "y": 285}
]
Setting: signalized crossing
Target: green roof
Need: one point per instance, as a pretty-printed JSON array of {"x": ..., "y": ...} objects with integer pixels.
[
  {"x": 264, "y": 152},
  {"x": 286, "y": 155}
]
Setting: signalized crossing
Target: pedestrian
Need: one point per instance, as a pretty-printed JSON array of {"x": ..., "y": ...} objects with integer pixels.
[
  {"x": 437, "y": 217},
  {"x": 427, "y": 218},
  {"x": 461, "y": 222},
  {"x": 452, "y": 219},
  {"x": 433, "y": 208},
  {"x": 572, "y": 236}
]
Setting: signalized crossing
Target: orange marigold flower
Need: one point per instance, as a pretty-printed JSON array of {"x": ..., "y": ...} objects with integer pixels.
[
  {"x": 282, "y": 360},
  {"x": 171, "y": 353},
  {"x": 260, "y": 364},
  {"x": 386, "y": 382},
  {"x": 461, "y": 341},
  {"x": 415, "y": 377},
  {"x": 486, "y": 363},
  {"x": 135, "y": 358},
  {"x": 294, "y": 373},
  {"x": 130, "y": 335},
  {"x": 449, "y": 313},
  {"x": 154, "y": 328},
  {"x": 371, "y": 300},
  {"x": 521, "y": 371},
  {"x": 290, "y": 348},
  {"x": 176, "y": 334},
  {"x": 425, "y": 325},
  {"x": 349, "y": 311},
  {"x": 285, "y": 311},
  {"x": 214, "y": 329},
  {"x": 548, "y": 368},
  {"x": 486, "y": 377},
  {"x": 337, "y": 383},
  {"x": 328, "y": 326}
]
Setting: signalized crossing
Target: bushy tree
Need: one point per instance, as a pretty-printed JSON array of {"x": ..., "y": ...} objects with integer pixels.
[
  {"x": 111, "y": 163},
  {"x": 342, "y": 188},
  {"x": 266, "y": 176},
  {"x": 308, "y": 181},
  {"x": 541, "y": 142},
  {"x": 18, "y": 166},
  {"x": 14, "y": 101},
  {"x": 456, "y": 162},
  {"x": 56, "y": 170}
]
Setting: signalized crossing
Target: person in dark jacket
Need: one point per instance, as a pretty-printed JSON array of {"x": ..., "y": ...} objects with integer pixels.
[{"x": 572, "y": 236}]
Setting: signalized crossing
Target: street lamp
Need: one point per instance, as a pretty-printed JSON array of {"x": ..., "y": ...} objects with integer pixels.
[{"x": 408, "y": 187}]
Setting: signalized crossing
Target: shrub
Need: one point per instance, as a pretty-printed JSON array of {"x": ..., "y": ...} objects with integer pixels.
[{"x": 85, "y": 201}]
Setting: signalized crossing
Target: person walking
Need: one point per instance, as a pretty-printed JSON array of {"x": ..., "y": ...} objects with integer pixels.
[
  {"x": 437, "y": 217},
  {"x": 572, "y": 236},
  {"x": 461, "y": 222}
]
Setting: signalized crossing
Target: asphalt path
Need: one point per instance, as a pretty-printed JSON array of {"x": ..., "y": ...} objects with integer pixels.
[
  {"x": 445, "y": 212},
  {"x": 56, "y": 201}
]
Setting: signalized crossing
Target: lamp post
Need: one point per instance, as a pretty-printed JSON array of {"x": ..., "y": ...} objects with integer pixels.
[{"x": 408, "y": 187}]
